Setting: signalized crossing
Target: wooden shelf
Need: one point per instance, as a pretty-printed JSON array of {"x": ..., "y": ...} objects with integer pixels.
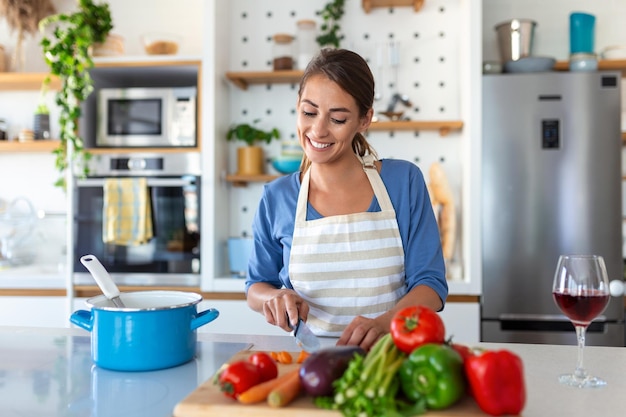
[
  {"x": 243, "y": 180},
  {"x": 108, "y": 151},
  {"x": 444, "y": 127},
  {"x": 244, "y": 79},
  {"x": 21, "y": 81},
  {"x": 32, "y": 146},
  {"x": 603, "y": 65},
  {"x": 146, "y": 61},
  {"x": 368, "y": 5}
]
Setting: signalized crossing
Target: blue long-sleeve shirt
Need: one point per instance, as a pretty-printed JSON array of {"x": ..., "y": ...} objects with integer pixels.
[{"x": 274, "y": 224}]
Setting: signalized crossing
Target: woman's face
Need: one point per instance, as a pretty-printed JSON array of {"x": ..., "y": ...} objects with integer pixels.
[{"x": 328, "y": 119}]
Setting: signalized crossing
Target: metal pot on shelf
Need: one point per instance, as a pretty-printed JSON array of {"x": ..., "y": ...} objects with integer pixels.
[{"x": 515, "y": 38}]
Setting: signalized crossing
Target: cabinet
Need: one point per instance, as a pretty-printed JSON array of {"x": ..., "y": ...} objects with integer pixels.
[
  {"x": 20, "y": 81},
  {"x": 152, "y": 71}
]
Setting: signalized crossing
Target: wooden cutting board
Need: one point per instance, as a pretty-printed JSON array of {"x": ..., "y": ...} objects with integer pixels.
[{"x": 208, "y": 401}]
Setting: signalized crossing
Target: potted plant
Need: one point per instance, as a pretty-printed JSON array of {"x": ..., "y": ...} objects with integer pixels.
[
  {"x": 66, "y": 51},
  {"x": 41, "y": 122},
  {"x": 250, "y": 158}
]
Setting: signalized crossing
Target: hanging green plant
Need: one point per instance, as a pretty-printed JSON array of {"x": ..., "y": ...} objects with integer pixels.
[
  {"x": 67, "y": 53},
  {"x": 331, "y": 14}
]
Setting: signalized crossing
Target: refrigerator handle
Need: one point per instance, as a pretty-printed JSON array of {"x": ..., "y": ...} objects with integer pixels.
[{"x": 542, "y": 317}]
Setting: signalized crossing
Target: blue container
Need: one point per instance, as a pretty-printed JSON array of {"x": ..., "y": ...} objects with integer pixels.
[
  {"x": 581, "y": 32},
  {"x": 239, "y": 249},
  {"x": 156, "y": 329}
]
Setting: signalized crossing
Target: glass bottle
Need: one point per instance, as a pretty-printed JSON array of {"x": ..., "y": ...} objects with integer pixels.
[
  {"x": 307, "y": 45},
  {"x": 283, "y": 52}
]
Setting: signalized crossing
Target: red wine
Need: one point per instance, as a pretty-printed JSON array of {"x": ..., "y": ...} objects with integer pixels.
[{"x": 581, "y": 308}]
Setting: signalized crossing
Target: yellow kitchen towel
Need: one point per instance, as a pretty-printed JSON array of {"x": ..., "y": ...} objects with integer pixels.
[{"x": 127, "y": 212}]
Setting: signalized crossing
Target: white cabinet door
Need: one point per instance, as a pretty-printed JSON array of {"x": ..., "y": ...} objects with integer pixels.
[
  {"x": 237, "y": 318},
  {"x": 462, "y": 320}
]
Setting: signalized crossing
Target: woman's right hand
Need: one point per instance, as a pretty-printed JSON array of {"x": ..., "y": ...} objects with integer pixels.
[{"x": 284, "y": 307}]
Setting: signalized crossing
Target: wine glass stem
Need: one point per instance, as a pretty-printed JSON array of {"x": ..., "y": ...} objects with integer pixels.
[{"x": 580, "y": 335}]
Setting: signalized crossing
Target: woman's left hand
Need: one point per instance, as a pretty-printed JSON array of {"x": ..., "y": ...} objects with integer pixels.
[{"x": 362, "y": 332}]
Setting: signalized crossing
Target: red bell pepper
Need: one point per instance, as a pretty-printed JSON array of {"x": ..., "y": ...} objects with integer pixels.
[{"x": 496, "y": 381}]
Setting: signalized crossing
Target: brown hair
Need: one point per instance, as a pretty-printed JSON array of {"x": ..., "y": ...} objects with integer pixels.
[{"x": 350, "y": 71}]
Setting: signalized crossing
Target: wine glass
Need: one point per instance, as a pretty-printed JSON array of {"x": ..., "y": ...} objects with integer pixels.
[{"x": 581, "y": 291}]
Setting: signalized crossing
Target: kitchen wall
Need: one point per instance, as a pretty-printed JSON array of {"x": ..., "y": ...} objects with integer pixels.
[{"x": 426, "y": 70}]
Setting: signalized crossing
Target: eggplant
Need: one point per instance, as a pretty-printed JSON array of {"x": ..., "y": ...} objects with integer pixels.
[{"x": 322, "y": 368}]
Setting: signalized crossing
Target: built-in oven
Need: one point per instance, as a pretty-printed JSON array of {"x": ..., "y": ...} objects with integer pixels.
[{"x": 172, "y": 256}]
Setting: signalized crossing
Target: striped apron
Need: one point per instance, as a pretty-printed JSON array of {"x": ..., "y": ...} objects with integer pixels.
[{"x": 347, "y": 265}]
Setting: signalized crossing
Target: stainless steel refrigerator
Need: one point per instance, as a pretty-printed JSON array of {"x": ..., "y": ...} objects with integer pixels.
[{"x": 551, "y": 185}]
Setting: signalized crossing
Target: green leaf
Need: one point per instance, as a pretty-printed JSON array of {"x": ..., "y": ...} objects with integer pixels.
[{"x": 66, "y": 52}]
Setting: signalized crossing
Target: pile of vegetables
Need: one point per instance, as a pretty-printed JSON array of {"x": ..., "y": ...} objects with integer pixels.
[{"x": 407, "y": 372}]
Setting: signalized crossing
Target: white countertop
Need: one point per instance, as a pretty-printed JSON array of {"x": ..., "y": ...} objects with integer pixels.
[{"x": 49, "y": 372}]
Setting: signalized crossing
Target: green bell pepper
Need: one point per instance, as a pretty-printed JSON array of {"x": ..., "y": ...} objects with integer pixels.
[{"x": 433, "y": 373}]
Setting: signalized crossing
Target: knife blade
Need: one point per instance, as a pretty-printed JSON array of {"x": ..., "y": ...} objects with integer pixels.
[{"x": 305, "y": 337}]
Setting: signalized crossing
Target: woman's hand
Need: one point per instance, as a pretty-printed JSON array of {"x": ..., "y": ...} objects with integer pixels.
[
  {"x": 283, "y": 309},
  {"x": 362, "y": 332}
]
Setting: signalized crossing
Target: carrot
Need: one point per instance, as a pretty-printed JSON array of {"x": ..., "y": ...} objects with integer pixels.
[
  {"x": 285, "y": 357},
  {"x": 286, "y": 391},
  {"x": 302, "y": 356},
  {"x": 261, "y": 391}
]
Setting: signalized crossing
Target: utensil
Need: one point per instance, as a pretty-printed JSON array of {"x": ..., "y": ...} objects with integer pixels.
[
  {"x": 305, "y": 337},
  {"x": 581, "y": 291},
  {"x": 515, "y": 38},
  {"x": 104, "y": 280}
]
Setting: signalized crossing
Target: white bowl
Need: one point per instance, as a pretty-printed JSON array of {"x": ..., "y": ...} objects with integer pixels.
[{"x": 614, "y": 52}]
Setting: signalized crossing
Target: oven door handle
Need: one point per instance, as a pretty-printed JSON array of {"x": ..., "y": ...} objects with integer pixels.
[{"x": 152, "y": 182}]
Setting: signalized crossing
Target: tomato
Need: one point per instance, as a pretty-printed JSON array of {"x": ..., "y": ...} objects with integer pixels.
[
  {"x": 265, "y": 363},
  {"x": 238, "y": 377},
  {"x": 414, "y": 326}
]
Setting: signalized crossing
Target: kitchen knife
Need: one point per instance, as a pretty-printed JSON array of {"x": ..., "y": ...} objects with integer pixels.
[{"x": 305, "y": 337}]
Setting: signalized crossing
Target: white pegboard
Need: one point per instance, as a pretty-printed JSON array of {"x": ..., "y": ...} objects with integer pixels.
[{"x": 427, "y": 72}]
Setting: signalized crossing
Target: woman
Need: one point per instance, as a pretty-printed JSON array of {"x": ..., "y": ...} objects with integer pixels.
[{"x": 350, "y": 240}]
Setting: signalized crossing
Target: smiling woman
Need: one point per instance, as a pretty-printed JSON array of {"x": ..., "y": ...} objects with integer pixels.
[{"x": 351, "y": 239}]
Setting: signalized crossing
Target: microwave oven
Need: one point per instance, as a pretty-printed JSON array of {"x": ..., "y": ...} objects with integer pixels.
[{"x": 146, "y": 117}]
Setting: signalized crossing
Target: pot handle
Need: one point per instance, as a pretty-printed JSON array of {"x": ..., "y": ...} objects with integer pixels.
[
  {"x": 82, "y": 318},
  {"x": 204, "y": 317}
]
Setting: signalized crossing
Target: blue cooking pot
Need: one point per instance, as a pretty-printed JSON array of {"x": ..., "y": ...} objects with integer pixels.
[{"x": 155, "y": 330}]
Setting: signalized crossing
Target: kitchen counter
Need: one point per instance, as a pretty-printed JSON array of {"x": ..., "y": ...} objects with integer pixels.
[{"x": 49, "y": 372}]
